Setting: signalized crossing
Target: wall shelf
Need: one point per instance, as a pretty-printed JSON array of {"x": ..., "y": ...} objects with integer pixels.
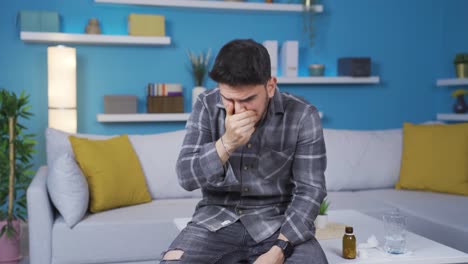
[
  {"x": 329, "y": 80},
  {"x": 144, "y": 117},
  {"x": 452, "y": 82},
  {"x": 215, "y": 5},
  {"x": 452, "y": 117},
  {"x": 60, "y": 38}
]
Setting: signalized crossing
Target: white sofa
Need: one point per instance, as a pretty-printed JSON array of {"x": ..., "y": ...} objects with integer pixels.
[{"x": 363, "y": 167}]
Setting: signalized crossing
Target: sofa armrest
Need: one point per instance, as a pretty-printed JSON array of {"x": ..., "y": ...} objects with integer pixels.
[{"x": 40, "y": 219}]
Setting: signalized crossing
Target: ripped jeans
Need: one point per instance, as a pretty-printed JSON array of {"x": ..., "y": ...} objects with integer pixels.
[{"x": 232, "y": 244}]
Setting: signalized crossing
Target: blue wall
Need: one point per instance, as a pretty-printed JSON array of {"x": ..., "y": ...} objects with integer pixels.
[
  {"x": 455, "y": 40},
  {"x": 411, "y": 43}
]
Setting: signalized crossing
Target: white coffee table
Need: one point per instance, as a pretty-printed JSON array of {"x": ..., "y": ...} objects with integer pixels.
[{"x": 423, "y": 250}]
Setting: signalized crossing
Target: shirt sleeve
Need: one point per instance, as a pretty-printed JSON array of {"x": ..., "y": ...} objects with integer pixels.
[
  {"x": 199, "y": 164},
  {"x": 308, "y": 177}
]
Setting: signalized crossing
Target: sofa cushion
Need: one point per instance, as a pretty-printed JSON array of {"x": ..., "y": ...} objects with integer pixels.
[
  {"x": 158, "y": 166},
  {"x": 113, "y": 171},
  {"x": 437, "y": 216},
  {"x": 139, "y": 232},
  {"x": 68, "y": 189},
  {"x": 353, "y": 200},
  {"x": 359, "y": 160},
  {"x": 158, "y": 156},
  {"x": 435, "y": 158}
]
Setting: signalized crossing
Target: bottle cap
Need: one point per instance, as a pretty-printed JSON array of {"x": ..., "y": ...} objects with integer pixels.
[{"x": 349, "y": 230}]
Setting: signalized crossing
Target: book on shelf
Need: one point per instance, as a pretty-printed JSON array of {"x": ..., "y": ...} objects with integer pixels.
[{"x": 164, "y": 89}]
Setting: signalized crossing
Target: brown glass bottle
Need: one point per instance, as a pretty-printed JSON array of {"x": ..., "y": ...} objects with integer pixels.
[{"x": 349, "y": 244}]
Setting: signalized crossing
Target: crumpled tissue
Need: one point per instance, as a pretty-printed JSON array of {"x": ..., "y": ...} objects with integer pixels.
[{"x": 372, "y": 242}]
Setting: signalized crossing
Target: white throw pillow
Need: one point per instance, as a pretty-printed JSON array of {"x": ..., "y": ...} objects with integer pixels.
[
  {"x": 58, "y": 144},
  {"x": 358, "y": 160},
  {"x": 158, "y": 155},
  {"x": 68, "y": 189}
]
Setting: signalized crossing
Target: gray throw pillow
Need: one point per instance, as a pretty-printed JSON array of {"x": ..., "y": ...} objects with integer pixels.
[{"x": 68, "y": 189}]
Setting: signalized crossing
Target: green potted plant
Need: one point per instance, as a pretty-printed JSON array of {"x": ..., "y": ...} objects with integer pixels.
[
  {"x": 461, "y": 65},
  {"x": 199, "y": 67},
  {"x": 460, "y": 106},
  {"x": 322, "y": 218},
  {"x": 15, "y": 171}
]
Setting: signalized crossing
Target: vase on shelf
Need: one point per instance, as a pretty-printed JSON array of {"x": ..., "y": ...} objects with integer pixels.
[
  {"x": 461, "y": 70},
  {"x": 196, "y": 91},
  {"x": 460, "y": 106},
  {"x": 316, "y": 70},
  {"x": 93, "y": 26}
]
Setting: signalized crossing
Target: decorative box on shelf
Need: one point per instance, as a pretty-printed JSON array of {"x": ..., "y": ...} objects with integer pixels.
[
  {"x": 146, "y": 25},
  {"x": 354, "y": 66},
  {"x": 165, "y": 104},
  {"x": 38, "y": 21},
  {"x": 120, "y": 104}
]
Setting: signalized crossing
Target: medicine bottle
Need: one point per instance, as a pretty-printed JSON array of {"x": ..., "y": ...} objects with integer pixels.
[{"x": 349, "y": 244}]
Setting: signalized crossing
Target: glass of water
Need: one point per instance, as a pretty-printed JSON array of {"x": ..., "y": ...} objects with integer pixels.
[{"x": 395, "y": 232}]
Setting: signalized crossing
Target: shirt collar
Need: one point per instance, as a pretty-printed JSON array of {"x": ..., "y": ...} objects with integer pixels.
[{"x": 276, "y": 103}]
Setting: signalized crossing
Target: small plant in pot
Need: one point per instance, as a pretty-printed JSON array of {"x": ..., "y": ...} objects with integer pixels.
[
  {"x": 15, "y": 171},
  {"x": 322, "y": 218},
  {"x": 460, "y": 106},
  {"x": 461, "y": 65},
  {"x": 199, "y": 67}
]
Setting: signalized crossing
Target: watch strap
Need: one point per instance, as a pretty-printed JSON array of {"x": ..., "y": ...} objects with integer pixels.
[{"x": 285, "y": 246}]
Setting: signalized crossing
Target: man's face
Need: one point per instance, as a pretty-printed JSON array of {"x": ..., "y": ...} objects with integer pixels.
[{"x": 248, "y": 97}]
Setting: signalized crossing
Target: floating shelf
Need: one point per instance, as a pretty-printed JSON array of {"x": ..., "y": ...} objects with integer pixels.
[
  {"x": 451, "y": 82},
  {"x": 452, "y": 117},
  {"x": 329, "y": 80},
  {"x": 215, "y": 5},
  {"x": 53, "y": 37},
  {"x": 142, "y": 117}
]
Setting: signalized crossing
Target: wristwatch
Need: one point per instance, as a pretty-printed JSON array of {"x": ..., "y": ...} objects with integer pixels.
[{"x": 286, "y": 246}]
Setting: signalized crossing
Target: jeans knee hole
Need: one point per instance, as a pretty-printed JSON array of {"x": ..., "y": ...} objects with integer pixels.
[{"x": 175, "y": 254}]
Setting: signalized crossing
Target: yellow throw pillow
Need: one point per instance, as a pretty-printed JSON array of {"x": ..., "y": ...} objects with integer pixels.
[
  {"x": 112, "y": 169},
  {"x": 435, "y": 158}
]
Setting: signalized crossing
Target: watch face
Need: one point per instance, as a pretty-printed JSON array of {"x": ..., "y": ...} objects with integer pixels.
[{"x": 288, "y": 250}]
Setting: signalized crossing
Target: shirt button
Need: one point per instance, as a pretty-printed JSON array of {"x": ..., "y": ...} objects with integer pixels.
[
  {"x": 249, "y": 145},
  {"x": 246, "y": 167},
  {"x": 246, "y": 189},
  {"x": 239, "y": 211}
]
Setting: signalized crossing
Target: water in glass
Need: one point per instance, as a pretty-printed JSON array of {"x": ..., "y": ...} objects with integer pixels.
[{"x": 395, "y": 232}]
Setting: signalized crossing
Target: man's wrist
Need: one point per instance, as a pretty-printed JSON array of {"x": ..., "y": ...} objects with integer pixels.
[
  {"x": 277, "y": 251},
  {"x": 226, "y": 147},
  {"x": 227, "y": 144},
  {"x": 283, "y": 237},
  {"x": 285, "y": 247}
]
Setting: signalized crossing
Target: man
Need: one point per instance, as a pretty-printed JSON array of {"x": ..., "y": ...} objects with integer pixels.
[{"x": 259, "y": 157}]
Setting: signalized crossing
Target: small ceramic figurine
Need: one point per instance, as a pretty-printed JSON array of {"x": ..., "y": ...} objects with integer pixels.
[{"x": 93, "y": 26}]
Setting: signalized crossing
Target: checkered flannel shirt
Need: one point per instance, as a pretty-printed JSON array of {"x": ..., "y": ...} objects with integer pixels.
[{"x": 275, "y": 181}]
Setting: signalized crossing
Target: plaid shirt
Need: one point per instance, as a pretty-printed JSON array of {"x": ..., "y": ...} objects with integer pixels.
[{"x": 274, "y": 181}]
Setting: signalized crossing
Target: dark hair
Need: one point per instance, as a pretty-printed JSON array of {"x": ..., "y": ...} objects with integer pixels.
[{"x": 242, "y": 62}]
